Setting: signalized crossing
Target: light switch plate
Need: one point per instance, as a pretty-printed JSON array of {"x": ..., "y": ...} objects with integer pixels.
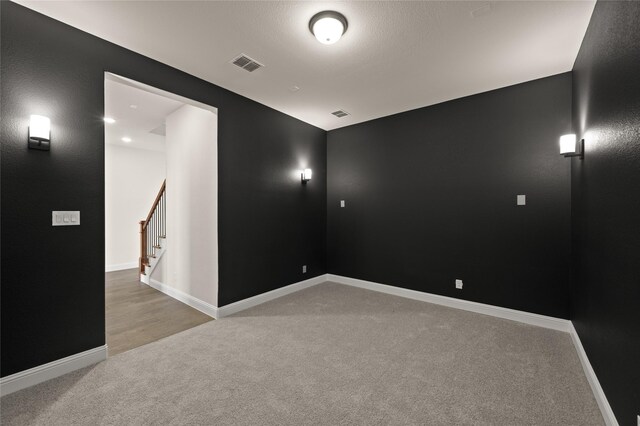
[
  {"x": 342, "y": 203},
  {"x": 65, "y": 218},
  {"x": 521, "y": 200},
  {"x": 459, "y": 284}
]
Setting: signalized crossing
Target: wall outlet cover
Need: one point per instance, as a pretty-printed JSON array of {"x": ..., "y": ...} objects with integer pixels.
[
  {"x": 304, "y": 269},
  {"x": 521, "y": 200},
  {"x": 459, "y": 284},
  {"x": 342, "y": 203}
]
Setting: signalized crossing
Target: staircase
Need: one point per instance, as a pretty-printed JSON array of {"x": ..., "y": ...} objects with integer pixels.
[{"x": 153, "y": 236}]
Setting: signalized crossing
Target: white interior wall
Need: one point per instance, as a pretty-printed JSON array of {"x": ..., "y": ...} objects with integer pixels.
[
  {"x": 132, "y": 180},
  {"x": 190, "y": 263}
]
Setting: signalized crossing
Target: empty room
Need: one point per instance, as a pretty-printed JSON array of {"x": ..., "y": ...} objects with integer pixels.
[{"x": 329, "y": 213}]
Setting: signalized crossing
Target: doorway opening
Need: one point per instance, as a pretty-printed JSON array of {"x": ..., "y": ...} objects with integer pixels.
[{"x": 161, "y": 247}]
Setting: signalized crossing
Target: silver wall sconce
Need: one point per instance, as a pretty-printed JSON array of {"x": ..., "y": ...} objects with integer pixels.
[
  {"x": 306, "y": 175},
  {"x": 39, "y": 133},
  {"x": 570, "y": 147}
]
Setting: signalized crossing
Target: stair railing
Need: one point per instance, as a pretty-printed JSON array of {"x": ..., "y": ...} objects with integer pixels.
[{"x": 153, "y": 228}]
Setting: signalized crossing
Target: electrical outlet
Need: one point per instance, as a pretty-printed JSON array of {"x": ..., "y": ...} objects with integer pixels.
[
  {"x": 304, "y": 269},
  {"x": 342, "y": 204},
  {"x": 459, "y": 284}
]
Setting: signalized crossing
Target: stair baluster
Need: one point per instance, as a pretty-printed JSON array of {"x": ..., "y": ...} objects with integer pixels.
[{"x": 153, "y": 228}]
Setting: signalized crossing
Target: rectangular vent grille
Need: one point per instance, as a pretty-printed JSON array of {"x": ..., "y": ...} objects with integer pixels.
[
  {"x": 340, "y": 113},
  {"x": 246, "y": 63}
]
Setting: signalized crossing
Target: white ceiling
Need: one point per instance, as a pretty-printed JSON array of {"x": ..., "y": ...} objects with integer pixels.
[
  {"x": 395, "y": 56},
  {"x": 135, "y": 123}
]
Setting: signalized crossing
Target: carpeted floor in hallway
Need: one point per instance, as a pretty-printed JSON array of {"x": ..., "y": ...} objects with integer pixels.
[{"x": 330, "y": 355}]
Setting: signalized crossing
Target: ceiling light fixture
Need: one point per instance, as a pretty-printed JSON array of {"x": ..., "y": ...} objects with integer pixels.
[
  {"x": 328, "y": 26},
  {"x": 109, "y": 120},
  {"x": 126, "y": 139}
]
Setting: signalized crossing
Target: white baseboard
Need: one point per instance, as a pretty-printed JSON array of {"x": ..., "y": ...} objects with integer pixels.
[
  {"x": 232, "y": 308},
  {"x": 42, "y": 373},
  {"x": 250, "y": 302},
  {"x": 202, "y": 306},
  {"x": 51, "y": 370},
  {"x": 481, "y": 308},
  {"x": 601, "y": 398},
  {"x": 120, "y": 266}
]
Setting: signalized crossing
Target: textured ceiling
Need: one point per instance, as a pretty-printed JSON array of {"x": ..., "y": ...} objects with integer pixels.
[{"x": 395, "y": 56}]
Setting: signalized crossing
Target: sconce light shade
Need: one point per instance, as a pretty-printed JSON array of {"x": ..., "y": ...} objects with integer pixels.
[
  {"x": 39, "y": 132},
  {"x": 306, "y": 175},
  {"x": 569, "y": 146}
]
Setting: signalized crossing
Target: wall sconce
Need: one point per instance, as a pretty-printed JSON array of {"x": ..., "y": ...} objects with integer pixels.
[
  {"x": 39, "y": 133},
  {"x": 306, "y": 175},
  {"x": 569, "y": 147}
]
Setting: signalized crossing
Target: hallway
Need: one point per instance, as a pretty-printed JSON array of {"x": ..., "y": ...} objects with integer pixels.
[{"x": 137, "y": 314}]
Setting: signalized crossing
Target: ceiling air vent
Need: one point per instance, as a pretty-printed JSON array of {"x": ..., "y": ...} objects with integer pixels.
[
  {"x": 340, "y": 113},
  {"x": 246, "y": 63}
]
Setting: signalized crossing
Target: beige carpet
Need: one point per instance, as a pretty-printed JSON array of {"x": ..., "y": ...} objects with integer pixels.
[{"x": 330, "y": 355}]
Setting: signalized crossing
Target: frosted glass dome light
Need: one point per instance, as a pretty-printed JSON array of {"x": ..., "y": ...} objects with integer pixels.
[{"x": 328, "y": 26}]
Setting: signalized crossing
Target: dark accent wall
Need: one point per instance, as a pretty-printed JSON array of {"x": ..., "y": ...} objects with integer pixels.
[
  {"x": 53, "y": 278},
  {"x": 605, "y": 295},
  {"x": 270, "y": 223},
  {"x": 431, "y": 196}
]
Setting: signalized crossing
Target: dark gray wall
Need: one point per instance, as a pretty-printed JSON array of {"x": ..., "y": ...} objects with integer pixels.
[
  {"x": 606, "y": 203},
  {"x": 53, "y": 278},
  {"x": 431, "y": 197}
]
